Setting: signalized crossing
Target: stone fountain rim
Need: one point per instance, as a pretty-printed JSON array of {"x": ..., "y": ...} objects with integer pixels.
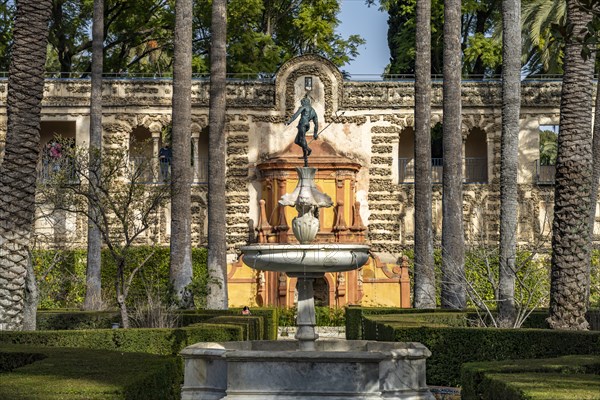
[
  {"x": 308, "y": 246},
  {"x": 357, "y": 350}
]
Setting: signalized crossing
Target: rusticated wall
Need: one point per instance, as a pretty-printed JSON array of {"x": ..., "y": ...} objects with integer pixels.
[{"x": 369, "y": 123}]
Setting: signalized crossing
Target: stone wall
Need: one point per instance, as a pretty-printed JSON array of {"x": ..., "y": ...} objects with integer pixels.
[{"x": 364, "y": 121}]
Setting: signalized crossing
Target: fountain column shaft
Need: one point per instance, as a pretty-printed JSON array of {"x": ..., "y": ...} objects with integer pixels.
[{"x": 306, "y": 321}]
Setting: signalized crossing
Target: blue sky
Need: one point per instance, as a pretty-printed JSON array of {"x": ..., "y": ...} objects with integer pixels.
[{"x": 371, "y": 24}]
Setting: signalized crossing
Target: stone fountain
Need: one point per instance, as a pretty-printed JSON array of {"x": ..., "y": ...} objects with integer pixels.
[{"x": 308, "y": 368}]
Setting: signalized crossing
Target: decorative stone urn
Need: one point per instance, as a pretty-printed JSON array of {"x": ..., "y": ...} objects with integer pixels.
[{"x": 307, "y": 200}]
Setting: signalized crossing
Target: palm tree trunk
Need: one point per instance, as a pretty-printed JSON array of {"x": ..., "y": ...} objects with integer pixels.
[
  {"x": 453, "y": 240},
  {"x": 93, "y": 293},
  {"x": 511, "y": 102},
  {"x": 217, "y": 222},
  {"x": 595, "y": 176},
  {"x": 18, "y": 169},
  {"x": 571, "y": 225},
  {"x": 181, "y": 215},
  {"x": 424, "y": 289}
]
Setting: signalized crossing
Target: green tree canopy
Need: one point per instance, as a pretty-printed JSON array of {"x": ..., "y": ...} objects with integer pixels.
[
  {"x": 481, "y": 46},
  {"x": 262, "y": 34}
]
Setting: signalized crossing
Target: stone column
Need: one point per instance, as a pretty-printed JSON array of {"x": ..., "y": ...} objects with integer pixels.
[
  {"x": 195, "y": 129},
  {"x": 306, "y": 321},
  {"x": 155, "y": 129}
]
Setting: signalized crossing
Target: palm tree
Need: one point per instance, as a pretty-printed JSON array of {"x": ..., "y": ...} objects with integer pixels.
[
  {"x": 511, "y": 102},
  {"x": 541, "y": 49},
  {"x": 18, "y": 169},
  {"x": 424, "y": 288},
  {"x": 181, "y": 179},
  {"x": 93, "y": 293},
  {"x": 217, "y": 222},
  {"x": 453, "y": 240},
  {"x": 595, "y": 179},
  {"x": 571, "y": 224}
]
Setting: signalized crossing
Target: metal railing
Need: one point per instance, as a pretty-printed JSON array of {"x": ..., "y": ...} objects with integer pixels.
[
  {"x": 544, "y": 174},
  {"x": 49, "y": 167},
  {"x": 475, "y": 170},
  {"x": 269, "y": 77}
]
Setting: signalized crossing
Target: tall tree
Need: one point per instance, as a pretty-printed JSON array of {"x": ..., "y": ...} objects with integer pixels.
[
  {"x": 571, "y": 224},
  {"x": 424, "y": 288},
  {"x": 453, "y": 238},
  {"x": 93, "y": 293},
  {"x": 511, "y": 104},
  {"x": 18, "y": 169},
  {"x": 181, "y": 179},
  {"x": 479, "y": 20},
  {"x": 217, "y": 221}
]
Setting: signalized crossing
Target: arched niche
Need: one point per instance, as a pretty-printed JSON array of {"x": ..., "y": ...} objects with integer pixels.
[{"x": 476, "y": 157}]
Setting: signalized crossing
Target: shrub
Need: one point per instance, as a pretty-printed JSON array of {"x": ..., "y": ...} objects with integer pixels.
[
  {"x": 61, "y": 275},
  {"x": 91, "y": 374},
  {"x": 453, "y": 345},
  {"x": 557, "y": 378},
  {"x": 153, "y": 341},
  {"x": 325, "y": 316},
  {"x": 270, "y": 318}
]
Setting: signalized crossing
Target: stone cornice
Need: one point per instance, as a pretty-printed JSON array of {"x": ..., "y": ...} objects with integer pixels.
[{"x": 261, "y": 96}]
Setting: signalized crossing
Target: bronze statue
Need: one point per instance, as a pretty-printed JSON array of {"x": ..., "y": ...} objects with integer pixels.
[{"x": 307, "y": 114}]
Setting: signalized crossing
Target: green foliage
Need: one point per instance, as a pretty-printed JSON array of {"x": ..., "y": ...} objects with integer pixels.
[
  {"x": 484, "y": 48},
  {"x": 326, "y": 316},
  {"x": 270, "y": 317},
  {"x": 10, "y": 361},
  {"x": 560, "y": 378},
  {"x": 61, "y": 275},
  {"x": 145, "y": 340},
  {"x": 548, "y": 147},
  {"x": 91, "y": 374},
  {"x": 452, "y": 346},
  {"x": 7, "y": 10},
  {"x": 479, "y": 22},
  {"x": 482, "y": 268},
  {"x": 252, "y": 326},
  {"x": 70, "y": 320}
]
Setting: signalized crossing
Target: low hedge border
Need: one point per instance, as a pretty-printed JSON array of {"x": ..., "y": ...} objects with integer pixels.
[
  {"x": 70, "y": 374},
  {"x": 270, "y": 318},
  {"x": 145, "y": 340},
  {"x": 10, "y": 361},
  {"x": 252, "y": 326},
  {"x": 74, "y": 319},
  {"x": 438, "y": 317},
  {"x": 563, "y": 378},
  {"x": 453, "y": 346}
]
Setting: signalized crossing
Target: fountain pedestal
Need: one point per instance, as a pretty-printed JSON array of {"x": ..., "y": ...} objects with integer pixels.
[{"x": 306, "y": 319}]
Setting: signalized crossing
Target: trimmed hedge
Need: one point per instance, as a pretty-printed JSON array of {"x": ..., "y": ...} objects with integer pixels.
[
  {"x": 270, "y": 318},
  {"x": 73, "y": 319},
  {"x": 12, "y": 360},
  {"x": 563, "y": 378},
  {"x": 453, "y": 346},
  {"x": 145, "y": 340},
  {"x": 73, "y": 374},
  {"x": 252, "y": 326}
]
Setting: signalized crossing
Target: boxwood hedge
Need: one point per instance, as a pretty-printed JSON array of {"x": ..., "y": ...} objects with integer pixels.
[
  {"x": 68, "y": 374},
  {"x": 563, "y": 378},
  {"x": 452, "y": 345}
]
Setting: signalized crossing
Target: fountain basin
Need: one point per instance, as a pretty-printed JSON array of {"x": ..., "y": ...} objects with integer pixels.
[
  {"x": 269, "y": 370},
  {"x": 298, "y": 258}
]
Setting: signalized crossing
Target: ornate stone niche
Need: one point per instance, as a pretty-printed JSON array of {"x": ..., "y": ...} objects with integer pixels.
[{"x": 336, "y": 176}]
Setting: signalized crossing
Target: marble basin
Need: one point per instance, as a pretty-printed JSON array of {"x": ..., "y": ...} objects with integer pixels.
[
  {"x": 310, "y": 258},
  {"x": 275, "y": 370}
]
